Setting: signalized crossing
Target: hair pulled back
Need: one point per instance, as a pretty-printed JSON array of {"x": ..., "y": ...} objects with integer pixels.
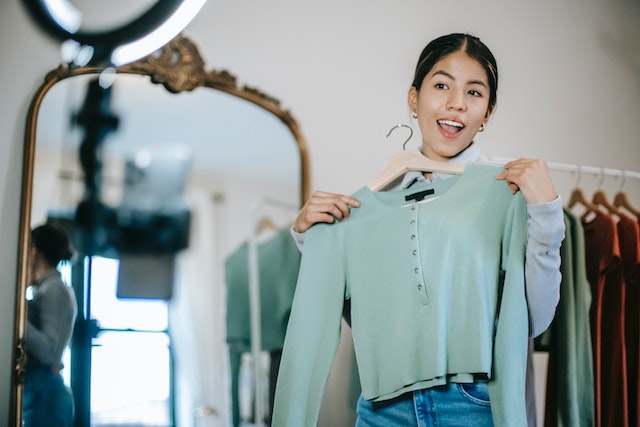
[
  {"x": 53, "y": 242},
  {"x": 456, "y": 42}
]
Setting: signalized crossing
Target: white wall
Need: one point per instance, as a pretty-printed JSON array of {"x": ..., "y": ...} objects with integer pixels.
[{"x": 569, "y": 90}]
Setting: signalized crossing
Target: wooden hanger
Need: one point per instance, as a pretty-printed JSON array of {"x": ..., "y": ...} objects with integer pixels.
[
  {"x": 621, "y": 200},
  {"x": 600, "y": 199},
  {"x": 412, "y": 160},
  {"x": 405, "y": 161},
  {"x": 265, "y": 223},
  {"x": 578, "y": 197}
]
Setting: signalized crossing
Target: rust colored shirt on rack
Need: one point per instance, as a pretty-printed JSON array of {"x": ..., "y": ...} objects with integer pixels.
[{"x": 604, "y": 272}]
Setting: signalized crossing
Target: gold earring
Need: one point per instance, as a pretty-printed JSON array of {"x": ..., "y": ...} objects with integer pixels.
[
  {"x": 481, "y": 128},
  {"x": 414, "y": 114}
]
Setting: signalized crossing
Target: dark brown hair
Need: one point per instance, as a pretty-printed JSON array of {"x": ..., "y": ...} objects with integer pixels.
[
  {"x": 456, "y": 42},
  {"x": 53, "y": 242}
]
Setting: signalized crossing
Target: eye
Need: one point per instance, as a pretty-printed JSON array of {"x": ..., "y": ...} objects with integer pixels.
[
  {"x": 474, "y": 92},
  {"x": 441, "y": 86}
]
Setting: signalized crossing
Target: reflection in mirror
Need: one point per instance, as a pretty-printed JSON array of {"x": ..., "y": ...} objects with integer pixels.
[{"x": 165, "y": 362}]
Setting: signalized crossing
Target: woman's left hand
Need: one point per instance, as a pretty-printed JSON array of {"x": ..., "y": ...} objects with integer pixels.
[{"x": 530, "y": 176}]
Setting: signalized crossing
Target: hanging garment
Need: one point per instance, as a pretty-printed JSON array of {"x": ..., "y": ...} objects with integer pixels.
[
  {"x": 279, "y": 262},
  {"x": 604, "y": 272},
  {"x": 570, "y": 387},
  {"x": 278, "y": 265},
  {"x": 427, "y": 305},
  {"x": 628, "y": 235}
]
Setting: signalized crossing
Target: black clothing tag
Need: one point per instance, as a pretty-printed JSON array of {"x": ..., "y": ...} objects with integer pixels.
[{"x": 420, "y": 195}]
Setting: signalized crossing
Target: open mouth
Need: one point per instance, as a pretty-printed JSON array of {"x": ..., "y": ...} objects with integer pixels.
[{"x": 450, "y": 126}]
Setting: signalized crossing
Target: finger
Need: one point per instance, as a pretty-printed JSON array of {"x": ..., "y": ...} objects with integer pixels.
[
  {"x": 510, "y": 183},
  {"x": 339, "y": 209},
  {"x": 351, "y": 201},
  {"x": 324, "y": 217},
  {"x": 345, "y": 204},
  {"x": 507, "y": 176},
  {"x": 342, "y": 200},
  {"x": 318, "y": 210},
  {"x": 325, "y": 195},
  {"x": 335, "y": 210},
  {"x": 517, "y": 162}
]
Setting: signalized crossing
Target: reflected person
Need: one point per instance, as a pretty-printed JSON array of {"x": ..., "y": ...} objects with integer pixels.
[{"x": 51, "y": 315}]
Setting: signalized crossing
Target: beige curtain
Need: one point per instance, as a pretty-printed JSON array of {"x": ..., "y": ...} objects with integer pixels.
[{"x": 197, "y": 325}]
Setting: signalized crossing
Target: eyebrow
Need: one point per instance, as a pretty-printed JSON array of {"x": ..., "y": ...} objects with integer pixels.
[{"x": 446, "y": 74}]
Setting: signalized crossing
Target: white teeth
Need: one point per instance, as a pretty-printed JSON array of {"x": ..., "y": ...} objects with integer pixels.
[{"x": 450, "y": 123}]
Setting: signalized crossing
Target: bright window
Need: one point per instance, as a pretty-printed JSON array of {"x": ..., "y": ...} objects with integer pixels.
[{"x": 130, "y": 357}]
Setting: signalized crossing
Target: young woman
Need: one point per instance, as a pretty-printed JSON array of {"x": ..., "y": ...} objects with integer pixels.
[
  {"x": 51, "y": 315},
  {"x": 443, "y": 292}
]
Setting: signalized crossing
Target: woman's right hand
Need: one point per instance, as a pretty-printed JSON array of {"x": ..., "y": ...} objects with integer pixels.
[{"x": 324, "y": 207}]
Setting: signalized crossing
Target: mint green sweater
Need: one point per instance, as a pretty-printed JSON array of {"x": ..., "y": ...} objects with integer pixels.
[{"x": 427, "y": 305}]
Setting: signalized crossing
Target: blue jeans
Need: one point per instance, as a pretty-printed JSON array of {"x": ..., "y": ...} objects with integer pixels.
[
  {"x": 448, "y": 405},
  {"x": 47, "y": 401}
]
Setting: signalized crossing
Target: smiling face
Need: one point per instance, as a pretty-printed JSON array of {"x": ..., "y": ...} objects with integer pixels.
[{"x": 452, "y": 104}]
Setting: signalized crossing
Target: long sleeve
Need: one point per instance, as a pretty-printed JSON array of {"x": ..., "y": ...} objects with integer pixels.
[
  {"x": 313, "y": 333},
  {"x": 545, "y": 233},
  {"x": 511, "y": 342},
  {"x": 51, "y": 316}
]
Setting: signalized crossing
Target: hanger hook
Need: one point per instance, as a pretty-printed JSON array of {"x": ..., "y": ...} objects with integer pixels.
[
  {"x": 624, "y": 178},
  {"x": 402, "y": 125},
  {"x": 601, "y": 181},
  {"x": 579, "y": 175}
]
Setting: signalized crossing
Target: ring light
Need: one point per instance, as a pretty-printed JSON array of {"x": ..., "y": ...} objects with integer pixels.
[{"x": 136, "y": 39}]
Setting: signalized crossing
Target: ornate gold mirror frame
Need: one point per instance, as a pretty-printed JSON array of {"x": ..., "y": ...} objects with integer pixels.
[{"x": 179, "y": 67}]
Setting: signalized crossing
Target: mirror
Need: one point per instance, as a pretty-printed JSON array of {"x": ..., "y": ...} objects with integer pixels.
[{"x": 248, "y": 161}]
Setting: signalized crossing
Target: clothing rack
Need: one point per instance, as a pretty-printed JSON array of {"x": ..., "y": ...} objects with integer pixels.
[
  {"x": 581, "y": 169},
  {"x": 254, "y": 296}
]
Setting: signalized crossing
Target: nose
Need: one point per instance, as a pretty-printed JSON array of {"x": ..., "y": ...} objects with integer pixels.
[{"x": 456, "y": 101}]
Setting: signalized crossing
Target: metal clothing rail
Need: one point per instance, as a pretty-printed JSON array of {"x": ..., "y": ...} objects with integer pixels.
[
  {"x": 594, "y": 170},
  {"x": 582, "y": 169}
]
